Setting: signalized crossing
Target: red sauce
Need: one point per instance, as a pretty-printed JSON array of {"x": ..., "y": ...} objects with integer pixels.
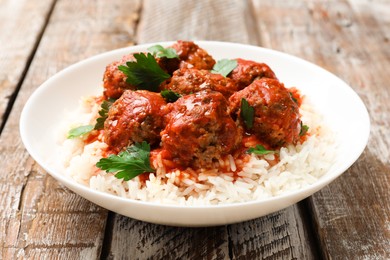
[
  {"x": 204, "y": 126},
  {"x": 95, "y": 135},
  {"x": 247, "y": 71},
  {"x": 296, "y": 94},
  {"x": 143, "y": 177},
  {"x": 168, "y": 160}
]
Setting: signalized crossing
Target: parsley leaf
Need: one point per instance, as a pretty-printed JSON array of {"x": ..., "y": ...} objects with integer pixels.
[
  {"x": 260, "y": 150},
  {"x": 247, "y": 113},
  {"x": 169, "y": 95},
  {"x": 160, "y": 52},
  {"x": 103, "y": 112},
  {"x": 79, "y": 131},
  {"x": 144, "y": 73},
  {"x": 224, "y": 67},
  {"x": 129, "y": 163},
  {"x": 293, "y": 98},
  {"x": 304, "y": 129}
]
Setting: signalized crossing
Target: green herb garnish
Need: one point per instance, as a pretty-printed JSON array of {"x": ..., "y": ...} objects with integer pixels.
[
  {"x": 160, "y": 52},
  {"x": 224, "y": 67},
  {"x": 260, "y": 150},
  {"x": 169, "y": 95},
  {"x": 129, "y": 163},
  {"x": 293, "y": 98},
  {"x": 79, "y": 131},
  {"x": 144, "y": 73},
  {"x": 103, "y": 112},
  {"x": 247, "y": 113},
  {"x": 304, "y": 129}
]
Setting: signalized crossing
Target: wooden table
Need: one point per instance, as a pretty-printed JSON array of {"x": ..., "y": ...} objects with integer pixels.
[{"x": 349, "y": 219}]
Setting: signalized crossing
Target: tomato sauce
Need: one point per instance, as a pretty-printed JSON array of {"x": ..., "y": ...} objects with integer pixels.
[{"x": 206, "y": 124}]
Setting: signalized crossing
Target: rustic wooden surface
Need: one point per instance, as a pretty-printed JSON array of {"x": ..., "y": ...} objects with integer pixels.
[
  {"x": 349, "y": 219},
  {"x": 21, "y": 27}
]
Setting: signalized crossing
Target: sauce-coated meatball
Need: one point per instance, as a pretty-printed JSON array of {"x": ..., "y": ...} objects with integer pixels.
[
  {"x": 276, "y": 115},
  {"x": 135, "y": 117},
  {"x": 187, "y": 81},
  {"x": 114, "y": 81},
  {"x": 192, "y": 56},
  {"x": 168, "y": 65},
  {"x": 199, "y": 130},
  {"x": 247, "y": 71}
]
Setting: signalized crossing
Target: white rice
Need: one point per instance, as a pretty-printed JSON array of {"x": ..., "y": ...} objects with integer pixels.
[{"x": 298, "y": 166}]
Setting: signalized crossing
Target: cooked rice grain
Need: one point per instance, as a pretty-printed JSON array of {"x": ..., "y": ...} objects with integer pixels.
[{"x": 298, "y": 166}]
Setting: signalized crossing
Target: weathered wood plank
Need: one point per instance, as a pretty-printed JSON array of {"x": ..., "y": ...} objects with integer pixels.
[
  {"x": 20, "y": 29},
  {"x": 142, "y": 240},
  {"x": 362, "y": 225},
  {"x": 196, "y": 20},
  {"x": 279, "y": 234},
  {"x": 347, "y": 38},
  {"x": 39, "y": 218}
]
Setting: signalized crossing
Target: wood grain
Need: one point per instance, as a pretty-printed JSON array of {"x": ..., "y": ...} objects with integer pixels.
[
  {"x": 40, "y": 219},
  {"x": 361, "y": 225},
  {"x": 196, "y": 20},
  {"x": 280, "y": 235},
  {"x": 18, "y": 38},
  {"x": 142, "y": 240},
  {"x": 347, "y": 38}
]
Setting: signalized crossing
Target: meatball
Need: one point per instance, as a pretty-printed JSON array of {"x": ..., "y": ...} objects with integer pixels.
[
  {"x": 186, "y": 81},
  {"x": 276, "y": 114},
  {"x": 168, "y": 65},
  {"x": 247, "y": 71},
  {"x": 192, "y": 56},
  {"x": 199, "y": 130},
  {"x": 114, "y": 81},
  {"x": 135, "y": 117}
]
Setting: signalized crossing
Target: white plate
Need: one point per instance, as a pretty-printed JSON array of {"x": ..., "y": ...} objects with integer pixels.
[{"x": 341, "y": 107}]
